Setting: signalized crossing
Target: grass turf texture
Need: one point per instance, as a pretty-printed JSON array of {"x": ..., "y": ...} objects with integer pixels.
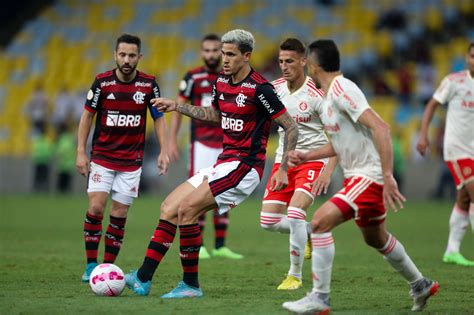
[{"x": 42, "y": 260}]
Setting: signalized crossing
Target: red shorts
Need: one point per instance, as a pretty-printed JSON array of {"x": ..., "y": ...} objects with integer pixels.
[
  {"x": 462, "y": 171},
  {"x": 300, "y": 178},
  {"x": 361, "y": 199}
]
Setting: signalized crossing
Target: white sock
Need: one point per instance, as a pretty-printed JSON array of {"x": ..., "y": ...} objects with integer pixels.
[
  {"x": 298, "y": 238},
  {"x": 471, "y": 215},
  {"x": 274, "y": 222},
  {"x": 309, "y": 228},
  {"x": 323, "y": 257},
  {"x": 394, "y": 253},
  {"x": 458, "y": 223}
]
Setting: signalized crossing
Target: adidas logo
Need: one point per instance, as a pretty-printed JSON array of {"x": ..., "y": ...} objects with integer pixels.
[
  {"x": 111, "y": 96},
  {"x": 221, "y": 97}
]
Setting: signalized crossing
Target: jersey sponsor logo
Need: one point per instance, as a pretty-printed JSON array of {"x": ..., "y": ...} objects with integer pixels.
[
  {"x": 265, "y": 103},
  {"x": 114, "y": 119},
  {"x": 232, "y": 124},
  {"x": 249, "y": 85},
  {"x": 156, "y": 91},
  {"x": 95, "y": 99},
  {"x": 240, "y": 100},
  {"x": 332, "y": 128},
  {"x": 111, "y": 96},
  {"x": 466, "y": 171},
  {"x": 107, "y": 83},
  {"x": 352, "y": 104},
  {"x": 223, "y": 80},
  {"x": 139, "y": 97},
  {"x": 143, "y": 84},
  {"x": 467, "y": 104},
  {"x": 221, "y": 97},
  {"x": 301, "y": 118}
]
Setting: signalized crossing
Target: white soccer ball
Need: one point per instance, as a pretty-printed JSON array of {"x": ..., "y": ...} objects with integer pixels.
[{"x": 107, "y": 280}]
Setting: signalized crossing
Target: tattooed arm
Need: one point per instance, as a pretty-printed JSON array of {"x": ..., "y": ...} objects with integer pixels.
[{"x": 202, "y": 113}]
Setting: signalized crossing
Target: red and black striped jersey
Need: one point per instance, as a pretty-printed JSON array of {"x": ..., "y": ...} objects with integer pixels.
[
  {"x": 196, "y": 87},
  {"x": 119, "y": 136},
  {"x": 247, "y": 109}
]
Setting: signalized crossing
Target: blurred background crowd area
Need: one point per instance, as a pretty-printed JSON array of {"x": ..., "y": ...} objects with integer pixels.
[{"x": 396, "y": 50}]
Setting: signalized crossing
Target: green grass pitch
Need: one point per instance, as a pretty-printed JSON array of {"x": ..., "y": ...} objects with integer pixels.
[{"x": 42, "y": 260}]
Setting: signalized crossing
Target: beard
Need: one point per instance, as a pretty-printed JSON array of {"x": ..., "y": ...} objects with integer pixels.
[
  {"x": 213, "y": 63},
  {"x": 126, "y": 71}
]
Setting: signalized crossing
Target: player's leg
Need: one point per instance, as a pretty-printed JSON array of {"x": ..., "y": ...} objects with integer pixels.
[
  {"x": 161, "y": 241},
  {"x": 470, "y": 189},
  {"x": 325, "y": 219},
  {"x": 299, "y": 203},
  {"x": 394, "y": 253},
  {"x": 273, "y": 216},
  {"x": 221, "y": 224},
  {"x": 459, "y": 219},
  {"x": 98, "y": 187}
]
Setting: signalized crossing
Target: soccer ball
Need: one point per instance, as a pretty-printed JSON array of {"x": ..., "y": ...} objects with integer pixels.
[{"x": 107, "y": 280}]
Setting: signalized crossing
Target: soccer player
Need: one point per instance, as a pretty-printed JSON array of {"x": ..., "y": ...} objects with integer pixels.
[
  {"x": 244, "y": 103},
  {"x": 457, "y": 90},
  {"x": 206, "y": 137},
  {"x": 362, "y": 142},
  {"x": 302, "y": 101},
  {"x": 120, "y": 98}
]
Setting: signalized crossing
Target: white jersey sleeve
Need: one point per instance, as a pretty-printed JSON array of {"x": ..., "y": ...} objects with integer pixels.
[
  {"x": 457, "y": 91},
  {"x": 304, "y": 106}
]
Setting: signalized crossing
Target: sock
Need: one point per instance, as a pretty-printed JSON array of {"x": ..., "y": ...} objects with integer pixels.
[
  {"x": 458, "y": 223},
  {"x": 298, "y": 238},
  {"x": 160, "y": 242},
  {"x": 471, "y": 215},
  {"x": 189, "y": 244},
  {"x": 92, "y": 234},
  {"x": 394, "y": 253},
  {"x": 113, "y": 238},
  {"x": 221, "y": 222},
  {"x": 274, "y": 222},
  {"x": 323, "y": 257},
  {"x": 202, "y": 223}
]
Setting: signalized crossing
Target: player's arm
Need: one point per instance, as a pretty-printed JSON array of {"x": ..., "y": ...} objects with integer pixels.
[
  {"x": 163, "y": 160},
  {"x": 209, "y": 114},
  {"x": 176, "y": 119},
  {"x": 383, "y": 143},
  {"x": 286, "y": 122},
  {"x": 82, "y": 160},
  {"x": 423, "y": 141},
  {"x": 296, "y": 158},
  {"x": 321, "y": 184}
]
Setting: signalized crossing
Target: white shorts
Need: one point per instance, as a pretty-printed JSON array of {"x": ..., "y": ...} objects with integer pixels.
[
  {"x": 201, "y": 157},
  {"x": 124, "y": 185},
  {"x": 230, "y": 183}
]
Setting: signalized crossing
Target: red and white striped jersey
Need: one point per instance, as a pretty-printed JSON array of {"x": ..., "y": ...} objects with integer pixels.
[
  {"x": 457, "y": 90},
  {"x": 353, "y": 143},
  {"x": 304, "y": 105}
]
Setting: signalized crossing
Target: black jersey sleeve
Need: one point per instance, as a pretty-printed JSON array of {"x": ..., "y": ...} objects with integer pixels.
[
  {"x": 186, "y": 86},
  {"x": 267, "y": 98},
  {"x": 156, "y": 93},
  {"x": 214, "y": 99},
  {"x": 93, "y": 99}
]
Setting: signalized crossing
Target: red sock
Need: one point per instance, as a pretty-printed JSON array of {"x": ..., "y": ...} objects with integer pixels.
[
  {"x": 189, "y": 245},
  {"x": 221, "y": 222},
  {"x": 114, "y": 238},
  {"x": 92, "y": 234}
]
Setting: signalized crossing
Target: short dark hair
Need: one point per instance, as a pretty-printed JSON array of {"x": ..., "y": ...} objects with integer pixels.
[
  {"x": 211, "y": 36},
  {"x": 129, "y": 39},
  {"x": 470, "y": 46},
  {"x": 326, "y": 53},
  {"x": 293, "y": 44}
]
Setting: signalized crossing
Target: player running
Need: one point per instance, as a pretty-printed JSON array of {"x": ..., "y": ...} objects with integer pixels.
[
  {"x": 302, "y": 101},
  {"x": 457, "y": 90},
  {"x": 244, "y": 103},
  {"x": 120, "y": 98},
  {"x": 206, "y": 138},
  {"x": 361, "y": 140}
]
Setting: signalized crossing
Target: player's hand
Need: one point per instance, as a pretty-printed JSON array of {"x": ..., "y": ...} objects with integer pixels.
[
  {"x": 173, "y": 150},
  {"x": 82, "y": 164},
  {"x": 164, "y": 104},
  {"x": 295, "y": 158},
  {"x": 279, "y": 180},
  {"x": 162, "y": 163},
  {"x": 392, "y": 198},
  {"x": 321, "y": 184},
  {"x": 422, "y": 145}
]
